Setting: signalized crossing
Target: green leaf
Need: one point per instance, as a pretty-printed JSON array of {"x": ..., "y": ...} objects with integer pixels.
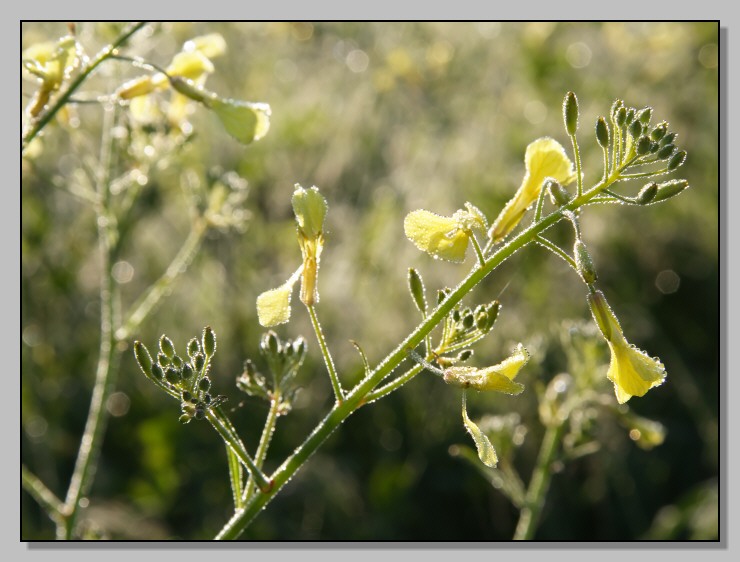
[{"x": 486, "y": 452}]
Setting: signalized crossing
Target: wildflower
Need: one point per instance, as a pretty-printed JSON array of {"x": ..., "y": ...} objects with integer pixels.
[
  {"x": 544, "y": 158},
  {"x": 499, "y": 378},
  {"x": 444, "y": 237},
  {"x": 632, "y": 371}
]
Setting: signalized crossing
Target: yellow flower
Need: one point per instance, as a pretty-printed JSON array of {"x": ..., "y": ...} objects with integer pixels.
[
  {"x": 632, "y": 371},
  {"x": 443, "y": 237},
  {"x": 499, "y": 378},
  {"x": 544, "y": 158}
]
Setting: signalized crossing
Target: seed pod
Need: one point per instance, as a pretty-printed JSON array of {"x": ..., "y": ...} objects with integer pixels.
[
  {"x": 670, "y": 189},
  {"x": 416, "y": 288},
  {"x": 558, "y": 194}
]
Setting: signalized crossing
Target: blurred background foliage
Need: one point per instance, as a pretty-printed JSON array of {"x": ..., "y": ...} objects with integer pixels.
[{"x": 384, "y": 118}]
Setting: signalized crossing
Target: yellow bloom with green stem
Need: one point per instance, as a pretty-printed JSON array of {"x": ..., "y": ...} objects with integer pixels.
[
  {"x": 632, "y": 371},
  {"x": 544, "y": 158}
]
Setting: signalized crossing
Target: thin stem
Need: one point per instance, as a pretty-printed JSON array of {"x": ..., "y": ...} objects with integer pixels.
[
  {"x": 577, "y": 154},
  {"x": 38, "y": 125},
  {"x": 605, "y": 150},
  {"x": 325, "y": 352},
  {"x": 644, "y": 174},
  {"x": 394, "y": 385},
  {"x": 84, "y": 470},
  {"x": 151, "y": 297},
  {"x": 235, "y": 476},
  {"x": 557, "y": 250},
  {"x": 267, "y": 431},
  {"x": 51, "y": 504},
  {"x": 539, "y": 484},
  {"x": 478, "y": 251},
  {"x": 223, "y": 426},
  {"x": 540, "y": 204}
]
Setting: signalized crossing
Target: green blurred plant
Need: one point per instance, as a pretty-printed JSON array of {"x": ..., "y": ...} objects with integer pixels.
[{"x": 132, "y": 125}]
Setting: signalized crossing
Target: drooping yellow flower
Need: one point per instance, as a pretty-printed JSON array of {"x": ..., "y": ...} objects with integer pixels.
[
  {"x": 498, "y": 378},
  {"x": 632, "y": 371},
  {"x": 443, "y": 237},
  {"x": 544, "y": 158}
]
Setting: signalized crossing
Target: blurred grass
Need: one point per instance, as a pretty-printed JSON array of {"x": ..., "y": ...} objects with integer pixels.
[{"x": 384, "y": 118}]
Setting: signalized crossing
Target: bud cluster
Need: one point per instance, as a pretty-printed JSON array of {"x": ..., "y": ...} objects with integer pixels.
[
  {"x": 464, "y": 326},
  {"x": 283, "y": 359},
  {"x": 185, "y": 379}
]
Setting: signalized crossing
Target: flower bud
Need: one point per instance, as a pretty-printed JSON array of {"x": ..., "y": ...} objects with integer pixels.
[
  {"x": 635, "y": 129},
  {"x": 621, "y": 117},
  {"x": 668, "y": 138},
  {"x": 172, "y": 376},
  {"x": 602, "y": 132},
  {"x": 647, "y": 194},
  {"x": 669, "y": 189},
  {"x": 187, "y": 371},
  {"x": 659, "y": 131},
  {"x": 644, "y": 115},
  {"x": 558, "y": 194},
  {"x": 157, "y": 372},
  {"x": 193, "y": 347},
  {"x": 677, "y": 160},
  {"x": 209, "y": 341},
  {"x": 143, "y": 358},
  {"x": 199, "y": 362},
  {"x": 643, "y": 146},
  {"x": 630, "y": 116},
  {"x": 416, "y": 288},
  {"x": 163, "y": 360},
  {"x": 584, "y": 263},
  {"x": 570, "y": 113},
  {"x": 204, "y": 384},
  {"x": 665, "y": 151}
]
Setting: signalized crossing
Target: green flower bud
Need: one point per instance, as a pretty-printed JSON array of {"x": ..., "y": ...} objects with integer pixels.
[
  {"x": 177, "y": 362},
  {"x": 654, "y": 146},
  {"x": 143, "y": 358},
  {"x": 193, "y": 347},
  {"x": 677, "y": 160},
  {"x": 647, "y": 194},
  {"x": 644, "y": 115},
  {"x": 163, "y": 360},
  {"x": 570, "y": 113},
  {"x": 635, "y": 129},
  {"x": 558, "y": 194},
  {"x": 665, "y": 151},
  {"x": 269, "y": 344},
  {"x": 621, "y": 117},
  {"x": 416, "y": 288},
  {"x": 200, "y": 412},
  {"x": 602, "y": 132},
  {"x": 310, "y": 210},
  {"x": 659, "y": 131},
  {"x": 185, "y": 418},
  {"x": 157, "y": 372},
  {"x": 630, "y": 116},
  {"x": 186, "y": 396},
  {"x": 172, "y": 376},
  {"x": 204, "y": 384},
  {"x": 187, "y": 371},
  {"x": 199, "y": 362},
  {"x": 643, "y": 146},
  {"x": 669, "y": 189},
  {"x": 584, "y": 263},
  {"x": 668, "y": 139},
  {"x": 209, "y": 341},
  {"x": 166, "y": 346},
  {"x": 468, "y": 321},
  {"x": 615, "y": 108},
  {"x": 442, "y": 294},
  {"x": 464, "y": 355},
  {"x": 456, "y": 315}
]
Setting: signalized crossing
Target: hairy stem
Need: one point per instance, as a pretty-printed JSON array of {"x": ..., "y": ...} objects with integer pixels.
[
  {"x": 336, "y": 385},
  {"x": 267, "y": 431},
  {"x": 52, "y": 505}
]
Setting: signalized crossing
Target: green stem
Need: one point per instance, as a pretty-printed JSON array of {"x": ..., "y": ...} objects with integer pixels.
[
  {"x": 577, "y": 154},
  {"x": 644, "y": 174},
  {"x": 539, "y": 484},
  {"x": 557, "y": 251},
  {"x": 267, "y": 432},
  {"x": 151, "y": 297},
  {"x": 39, "y": 124},
  {"x": 223, "y": 426},
  {"x": 235, "y": 476},
  {"x": 395, "y": 384},
  {"x": 478, "y": 251},
  {"x": 52, "y": 505},
  {"x": 84, "y": 469},
  {"x": 338, "y": 393}
]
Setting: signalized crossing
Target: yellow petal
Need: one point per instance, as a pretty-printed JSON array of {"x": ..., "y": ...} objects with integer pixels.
[
  {"x": 486, "y": 452},
  {"x": 211, "y": 45},
  {"x": 190, "y": 65},
  {"x": 633, "y": 371},
  {"x": 438, "y": 236},
  {"x": 544, "y": 158},
  {"x": 273, "y": 307}
]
